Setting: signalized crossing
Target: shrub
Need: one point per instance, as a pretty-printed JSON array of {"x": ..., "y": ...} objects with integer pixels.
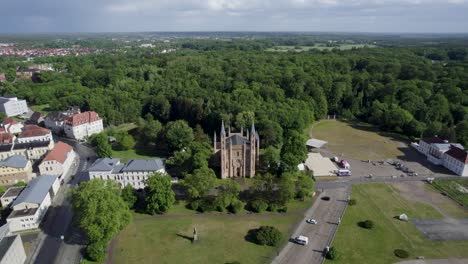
[
  {"x": 194, "y": 204},
  {"x": 272, "y": 207},
  {"x": 368, "y": 224},
  {"x": 332, "y": 254},
  {"x": 206, "y": 206},
  {"x": 235, "y": 206},
  {"x": 20, "y": 184},
  {"x": 401, "y": 253},
  {"x": 352, "y": 202},
  {"x": 96, "y": 251},
  {"x": 283, "y": 209},
  {"x": 268, "y": 235},
  {"x": 259, "y": 206}
]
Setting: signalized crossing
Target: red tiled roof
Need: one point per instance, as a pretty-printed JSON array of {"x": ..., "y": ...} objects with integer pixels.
[
  {"x": 10, "y": 121},
  {"x": 6, "y": 138},
  {"x": 459, "y": 154},
  {"x": 2, "y": 130},
  {"x": 59, "y": 152},
  {"x": 83, "y": 118},
  {"x": 33, "y": 131},
  {"x": 430, "y": 140}
]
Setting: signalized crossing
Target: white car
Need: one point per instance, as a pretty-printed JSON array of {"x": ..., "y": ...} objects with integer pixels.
[
  {"x": 303, "y": 240},
  {"x": 311, "y": 221}
]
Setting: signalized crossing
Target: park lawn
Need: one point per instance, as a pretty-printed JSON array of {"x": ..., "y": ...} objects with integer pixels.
[
  {"x": 357, "y": 140},
  {"x": 221, "y": 239},
  {"x": 44, "y": 109},
  {"x": 451, "y": 207},
  {"x": 135, "y": 153},
  {"x": 455, "y": 189},
  {"x": 125, "y": 126},
  {"x": 380, "y": 203}
]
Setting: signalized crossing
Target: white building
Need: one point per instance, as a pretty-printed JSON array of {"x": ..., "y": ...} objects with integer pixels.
[
  {"x": 82, "y": 125},
  {"x": 32, "y": 150},
  {"x": 32, "y": 133},
  {"x": 11, "y": 247},
  {"x": 31, "y": 205},
  {"x": 12, "y": 126},
  {"x": 11, "y": 106},
  {"x": 55, "y": 121},
  {"x": 134, "y": 172},
  {"x": 10, "y": 195},
  {"x": 456, "y": 160},
  {"x": 58, "y": 161}
]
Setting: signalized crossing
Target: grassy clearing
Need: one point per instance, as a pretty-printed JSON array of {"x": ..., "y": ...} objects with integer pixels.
[
  {"x": 125, "y": 126},
  {"x": 317, "y": 47},
  {"x": 357, "y": 140},
  {"x": 456, "y": 189},
  {"x": 222, "y": 240},
  {"x": 44, "y": 109},
  {"x": 136, "y": 153},
  {"x": 449, "y": 206},
  {"x": 381, "y": 203}
]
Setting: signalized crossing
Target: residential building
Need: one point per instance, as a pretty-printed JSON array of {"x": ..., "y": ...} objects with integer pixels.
[
  {"x": 135, "y": 172},
  {"x": 238, "y": 154},
  {"x": 55, "y": 120},
  {"x": 6, "y": 138},
  {"x": 35, "y": 119},
  {"x": 12, "y": 126},
  {"x": 32, "y": 150},
  {"x": 11, "y": 247},
  {"x": 32, "y": 133},
  {"x": 14, "y": 169},
  {"x": 11, "y": 106},
  {"x": 58, "y": 161},
  {"x": 456, "y": 160},
  {"x": 82, "y": 125},
  {"x": 10, "y": 195},
  {"x": 31, "y": 205}
]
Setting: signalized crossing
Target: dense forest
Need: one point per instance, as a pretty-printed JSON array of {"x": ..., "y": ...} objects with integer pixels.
[{"x": 415, "y": 91}]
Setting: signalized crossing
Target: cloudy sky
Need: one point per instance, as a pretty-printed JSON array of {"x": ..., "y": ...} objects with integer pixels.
[{"x": 443, "y": 16}]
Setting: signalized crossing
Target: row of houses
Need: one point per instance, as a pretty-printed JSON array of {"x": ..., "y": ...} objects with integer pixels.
[{"x": 440, "y": 152}]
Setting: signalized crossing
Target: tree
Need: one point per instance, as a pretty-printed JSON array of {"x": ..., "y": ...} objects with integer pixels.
[
  {"x": 294, "y": 151},
  {"x": 268, "y": 235},
  {"x": 259, "y": 206},
  {"x": 332, "y": 254},
  {"x": 150, "y": 129},
  {"x": 129, "y": 195},
  {"x": 200, "y": 182},
  {"x": 271, "y": 158},
  {"x": 159, "y": 194},
  {"x": 228, "y": 193},
  {"x": 304, "y": 185},
  {"x": 100, "y": 212},
  {"x": 160, "y": 107},
  {"x": 178, "y": 134},
  {"x": 103, "y": 148},
  {"x": 127, "y": 142}
]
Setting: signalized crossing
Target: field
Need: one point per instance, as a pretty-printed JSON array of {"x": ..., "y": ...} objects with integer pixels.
[
  {"x": 44, "y": 109},
  {"x": 455, "y": 189},
  {"x": 381, "y": 203},
  {"x": 136, "y": 153},
  {"x": 317, "y": 47},
  {"x": 356, "y": 140},
  {"x": 222, "y": 236}
]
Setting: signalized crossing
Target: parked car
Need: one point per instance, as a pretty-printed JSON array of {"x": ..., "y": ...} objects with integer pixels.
[{"x": 311, "y": 221}]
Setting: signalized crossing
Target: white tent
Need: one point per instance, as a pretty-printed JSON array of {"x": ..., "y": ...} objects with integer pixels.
[{"x": 403, "y": 217}]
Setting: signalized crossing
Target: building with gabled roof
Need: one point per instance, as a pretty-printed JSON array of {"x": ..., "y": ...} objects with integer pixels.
[
  {"x": 10, "y": 195},
  {"x": 456, "y": 160},
  {"x": 12, "y": 126},
  {"x": 31, "y": 150},
  {"x": 135, "y": 172},
  {"x": 33, "y": 133},
  {"x": 58, "y": 161},
  {"x": 82, "y": 125},
  {"x": 31, "y": 205},
  {"x": 14, "y": 169}
]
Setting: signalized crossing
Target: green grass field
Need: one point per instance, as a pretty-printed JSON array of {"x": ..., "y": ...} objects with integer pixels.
[
  {"x": 380, "y": 203},
  {"x": 137, "y": 153},
  {"x": 456, "y": 189},
  {"x": 317, "y": 47},
  {"x": 356, "y": 140},
  {"x": 44, "y": 109}
]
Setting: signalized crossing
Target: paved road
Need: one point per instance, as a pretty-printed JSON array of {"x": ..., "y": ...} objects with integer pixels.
[
  {"x": 57, "y": 221},
  {"x": 327, "y": 213}
]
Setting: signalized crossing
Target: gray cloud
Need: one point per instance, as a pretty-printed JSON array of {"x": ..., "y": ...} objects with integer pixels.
[{"x": 234, "y": 15}]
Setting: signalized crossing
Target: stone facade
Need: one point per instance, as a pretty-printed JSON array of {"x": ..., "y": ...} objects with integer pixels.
[{"x": 238, "y": 153}]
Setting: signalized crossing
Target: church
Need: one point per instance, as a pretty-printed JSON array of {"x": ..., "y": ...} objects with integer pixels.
[{"x": 238, "y": 152}]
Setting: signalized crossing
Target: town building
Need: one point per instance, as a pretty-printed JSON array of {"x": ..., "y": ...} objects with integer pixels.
[
  {"x": 14, "y": 169},
  {"x": 12, "y": 126},
  {"x": 33, "y": 133},
  {"x": 438, "y": 151},
  {"x": 238, "y": 153},
  {"x": 82, "y": 125},
  {"x": 31, "y": 205},
  {"x": 135, "y": 172},
  {"x": 35, "y": 119},
  {"x": 11, "y": 106},
  {"x": 55, "y": 120},
  {"x": 10, "y": 195},
  {"x": 58, "y": 161},
  {"x": 32, "y": 150},
  {"x": 6, "y": 138},
  {"x": 11, "y": 247}
]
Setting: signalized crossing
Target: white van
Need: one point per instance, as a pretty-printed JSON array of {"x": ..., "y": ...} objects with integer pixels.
[
  {"x": 303, "y": 240},
  {"x": 344, "y": 173}
]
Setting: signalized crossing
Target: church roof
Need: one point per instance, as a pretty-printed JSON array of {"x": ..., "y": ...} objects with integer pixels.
[{"x": 237, "y": 139}]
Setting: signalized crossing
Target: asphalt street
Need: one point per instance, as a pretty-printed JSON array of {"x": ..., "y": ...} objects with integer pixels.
[
  {"x": 57, "y": 222},
  {"x": 327, "y": 214}
]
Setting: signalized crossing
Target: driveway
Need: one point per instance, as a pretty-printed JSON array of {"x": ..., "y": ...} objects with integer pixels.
[{"x": 327, "y": 213}]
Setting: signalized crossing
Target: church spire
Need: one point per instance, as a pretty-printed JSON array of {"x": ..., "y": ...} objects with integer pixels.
[
  {"x": 223, "y": 131},
  {"x": 253, "y": 129}
]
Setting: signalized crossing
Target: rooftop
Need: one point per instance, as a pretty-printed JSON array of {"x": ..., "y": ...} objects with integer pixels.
[
  {"x": 143, "y": 165},
  {"x": 23, "y": 212},
  {"x": 33, "y": 131},
  {"x": 15, "y": 161},
  {"x": 59, "y": 152},
  {"x": 5, "y": 244},
  {"x": 458, "y": 154},
  {"x": 104, "y": 164},
  {"x": 6, "y": 138},
  {"x": 13, "y": 192},
  {"x": 83, "y": 118},
  {"x": 237, "y": 139},
  {"x": 36, "y": 190},
  {"x": 316, "y": 143}
]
